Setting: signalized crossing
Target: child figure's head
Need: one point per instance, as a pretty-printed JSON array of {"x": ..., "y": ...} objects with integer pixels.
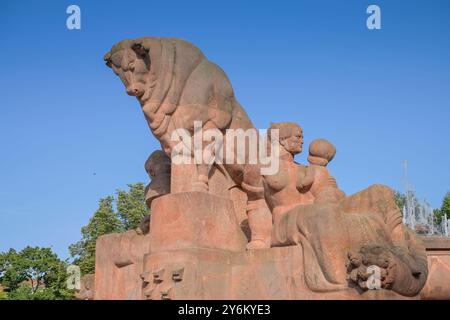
[{"x": 321, "y": 152}]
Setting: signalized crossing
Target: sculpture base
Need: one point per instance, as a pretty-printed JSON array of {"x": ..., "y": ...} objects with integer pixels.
[
  {"x": 208, "y": 274},
  {"x": 196, "y": 250}
]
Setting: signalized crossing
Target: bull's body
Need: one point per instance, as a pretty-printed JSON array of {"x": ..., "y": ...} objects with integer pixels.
[{"x": 176, "y": 86}]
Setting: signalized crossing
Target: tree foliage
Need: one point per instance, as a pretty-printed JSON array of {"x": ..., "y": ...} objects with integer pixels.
[
  {"x": 131, "y": 206},
  {"x": 103, "y": 221},
  {"x": 33, "y": 273},
  {"x": 400, "y": 200},
  {"x": 444, "y": 209},
  {"x": 114, "y": 214}
]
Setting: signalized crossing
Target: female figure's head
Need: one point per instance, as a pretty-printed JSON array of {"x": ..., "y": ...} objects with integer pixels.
[{"x": 290, "y": 136}]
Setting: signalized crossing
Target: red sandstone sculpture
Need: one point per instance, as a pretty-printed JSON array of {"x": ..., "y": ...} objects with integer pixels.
[
  {"x": 365, "y": 228},
  {"x": 324, "y": 188},
  {"x": 157, "y": 167},
  {"x": 86, "y": 291},
  {"x": 119, "y": 262},
  {"x": 176, "y": 85},
  {"x": 306, "y": 239}
]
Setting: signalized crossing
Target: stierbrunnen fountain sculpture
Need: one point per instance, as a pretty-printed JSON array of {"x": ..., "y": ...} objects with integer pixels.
[{"x": 236, "y": 229}]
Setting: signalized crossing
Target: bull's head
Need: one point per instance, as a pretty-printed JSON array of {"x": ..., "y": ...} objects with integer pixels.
[{"x": 130, "y": 61}]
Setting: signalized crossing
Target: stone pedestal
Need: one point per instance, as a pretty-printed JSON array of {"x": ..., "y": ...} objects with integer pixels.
[
  {"x": 119, "y": 264},
  {"x": 438, "y": 282},
  {"x": 195, "y": 220},
  {"x": 196, "y": 250},
  {"x": 208, "y": 274}
]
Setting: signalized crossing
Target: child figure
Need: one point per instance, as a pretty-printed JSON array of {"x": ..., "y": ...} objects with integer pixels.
[{"x": 324, "y": 188}]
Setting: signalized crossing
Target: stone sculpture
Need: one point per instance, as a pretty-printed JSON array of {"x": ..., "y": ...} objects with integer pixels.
[
  {"x": 335, "y": 226},
  {"x": 86, "y": 291},
  {"x": 306, "y": 239},
  {"x": 176, "y": 85},
  {"x": 119, "y": 257},
  {"x": 157, "y": 167}
]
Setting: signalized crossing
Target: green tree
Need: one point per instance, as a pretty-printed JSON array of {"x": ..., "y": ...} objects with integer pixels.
[
  {"x": 400, "y": 200},
  {"x": 444, "y": 210},
  {"x": 104, "y": 221},
  {"x": 131, "y": 209},
  {"x": 131, "y": 205},
  {"x": 33, "y": 273}
]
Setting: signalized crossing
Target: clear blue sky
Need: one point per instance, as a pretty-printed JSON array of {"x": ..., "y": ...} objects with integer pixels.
[{"x": 381, "y": 96}]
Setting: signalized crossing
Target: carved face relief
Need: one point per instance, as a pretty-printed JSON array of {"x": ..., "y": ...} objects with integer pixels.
[
  {"x": 160, "y": 284},
  {"x": 294, "y": 143}
]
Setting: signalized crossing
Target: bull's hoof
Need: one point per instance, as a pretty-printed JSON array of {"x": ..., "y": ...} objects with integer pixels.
[{"x": 257, "y": 244}]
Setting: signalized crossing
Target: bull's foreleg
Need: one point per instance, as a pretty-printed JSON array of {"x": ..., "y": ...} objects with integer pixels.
[
  {"x": 201, "y": 184},
  {"x": 205, "y": 154}
]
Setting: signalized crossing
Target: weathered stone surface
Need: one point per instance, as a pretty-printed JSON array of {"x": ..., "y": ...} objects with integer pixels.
[
  {"x": 438, "y": 282},
  {"x": 119, "y": 262},
  {"x": 195, "y": 220},
  {"x": 227, "y": 231},
  {"x": 158, "y": 167},
  {"x": 275, "y": 273},
  {"x": 176, "y": 85},
  {"x": 87, "y": 289}
]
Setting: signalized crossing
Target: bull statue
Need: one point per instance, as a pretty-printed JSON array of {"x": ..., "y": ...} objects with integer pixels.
[{"x": 176, "y": 85}]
